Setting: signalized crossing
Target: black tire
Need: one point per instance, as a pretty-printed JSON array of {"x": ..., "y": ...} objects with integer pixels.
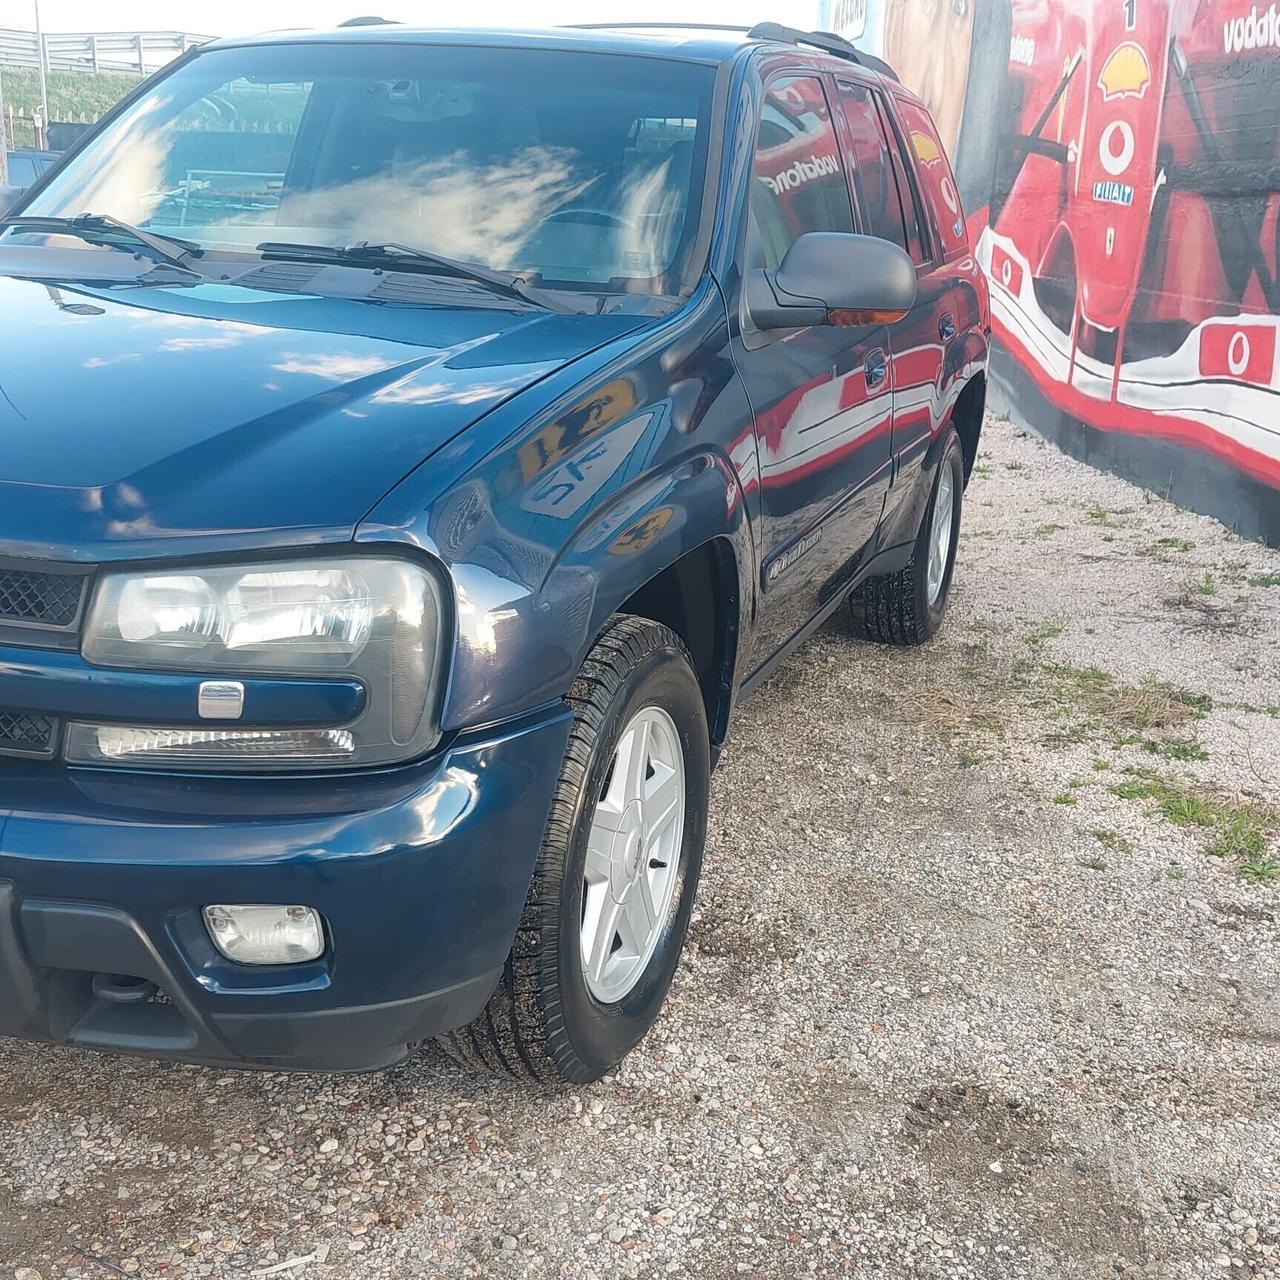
[
  {"x": 895, "y": 608},
  {"x": 542, "y": 1023}
]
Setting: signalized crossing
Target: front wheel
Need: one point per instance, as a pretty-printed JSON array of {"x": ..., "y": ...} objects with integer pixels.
[
  {"x": 907, "y": 607},
  {"x": 608, "y": 908}
]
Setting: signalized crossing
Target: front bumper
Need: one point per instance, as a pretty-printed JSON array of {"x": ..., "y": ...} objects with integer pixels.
[{"x": 420, "y": 873}]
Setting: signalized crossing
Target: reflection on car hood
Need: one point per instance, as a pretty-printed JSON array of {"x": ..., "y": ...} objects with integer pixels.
[{"x": 161, "y": 421}]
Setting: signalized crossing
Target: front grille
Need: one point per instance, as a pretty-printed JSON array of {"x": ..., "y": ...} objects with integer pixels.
[
  {"x": 39, "y": 599},
  {"x": 24, "y": 734}
]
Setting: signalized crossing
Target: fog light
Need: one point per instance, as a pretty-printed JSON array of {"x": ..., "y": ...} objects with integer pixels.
[{"x": 265, "y": 934}]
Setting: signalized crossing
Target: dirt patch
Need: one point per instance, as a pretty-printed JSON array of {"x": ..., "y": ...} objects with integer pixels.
[{"x": 982, "y": 1147}]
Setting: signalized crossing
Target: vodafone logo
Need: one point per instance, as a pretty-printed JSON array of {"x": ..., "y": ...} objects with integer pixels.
[
  {"x": 1006, "y": 271},
  {"x": 801, "y": 172},
  {"x": 1116, "y": 147},
  {"x": 1238, "y": 352},
  {"x": 1257, "y": 31},
  {"x": 1245, "y": 352}
]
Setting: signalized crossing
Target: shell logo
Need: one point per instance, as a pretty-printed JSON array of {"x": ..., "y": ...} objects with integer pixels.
[
  {"x": 925, "y": 147},
  {"x": 1126, "y": 73}
]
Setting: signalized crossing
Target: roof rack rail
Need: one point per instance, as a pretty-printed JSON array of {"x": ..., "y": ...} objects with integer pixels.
[
  {"x": 827, "y": 41},
  {"x": 369, "y": 21}
]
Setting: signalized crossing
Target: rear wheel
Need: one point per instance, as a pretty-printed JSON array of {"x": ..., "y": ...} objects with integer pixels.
[
  {"x": 907, "y": 607},
  {"x": 617, "y": 871}
]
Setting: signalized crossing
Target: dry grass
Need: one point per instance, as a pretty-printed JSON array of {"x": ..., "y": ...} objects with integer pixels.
[
  {"x": 953, "y": 714},
  {"x": 1111, "y": 704}
]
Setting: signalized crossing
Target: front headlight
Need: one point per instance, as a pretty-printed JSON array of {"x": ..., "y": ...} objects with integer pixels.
[{"x": 376, "y": 621}]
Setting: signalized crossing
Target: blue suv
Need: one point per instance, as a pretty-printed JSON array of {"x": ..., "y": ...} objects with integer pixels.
[{"x": 415, "y": 445}]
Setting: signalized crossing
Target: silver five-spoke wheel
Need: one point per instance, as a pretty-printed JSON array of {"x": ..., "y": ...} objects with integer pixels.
[
  {"x": 633, "y": 855},
  {"x": 940, "y": 534}
]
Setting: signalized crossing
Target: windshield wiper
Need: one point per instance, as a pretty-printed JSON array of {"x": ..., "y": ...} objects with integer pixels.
[
  {"x": 99, "y": 227},
  {"x": 507, "y": 283}
]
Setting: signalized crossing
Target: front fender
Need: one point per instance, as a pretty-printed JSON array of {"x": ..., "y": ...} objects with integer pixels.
[
  {"x": 518, "y": 649},
  {"x": 590, "y": 496}
]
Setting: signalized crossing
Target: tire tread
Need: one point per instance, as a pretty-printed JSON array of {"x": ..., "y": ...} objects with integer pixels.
[
  {"x": 890, "y": 608},
  {"x": 523, "y": 1023}
]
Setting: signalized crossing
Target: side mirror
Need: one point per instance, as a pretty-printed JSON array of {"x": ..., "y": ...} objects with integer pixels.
[
  {"x": 830, "y": 277},
  {"x": 9, "y": 197}
]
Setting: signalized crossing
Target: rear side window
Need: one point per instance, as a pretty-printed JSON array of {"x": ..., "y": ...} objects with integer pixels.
[
  {"x": 797, "y": 183},
  {"x": 873, "y": 176},
  {"x": 936, "y": 177}
]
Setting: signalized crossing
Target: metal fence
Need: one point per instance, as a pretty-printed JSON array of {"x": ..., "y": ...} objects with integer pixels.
[
  {"x": 21, "y": 130},
  {"x": 137, "y": 51}
]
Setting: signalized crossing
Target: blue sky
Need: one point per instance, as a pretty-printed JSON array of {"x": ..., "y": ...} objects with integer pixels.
[{"x": 230, "y": 17}]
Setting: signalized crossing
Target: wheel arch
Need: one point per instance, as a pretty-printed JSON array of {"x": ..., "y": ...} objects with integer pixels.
[
  {"x": 656, "y": 548},
  {"x": 678, "y": 596},
  {"x": 967, "y": 417}
]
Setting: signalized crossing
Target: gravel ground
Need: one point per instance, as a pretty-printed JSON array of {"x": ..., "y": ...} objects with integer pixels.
[{"x": 982, "y": 983}]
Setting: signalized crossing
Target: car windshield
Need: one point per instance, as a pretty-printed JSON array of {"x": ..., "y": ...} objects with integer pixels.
[{"x": 583, "y": 170}]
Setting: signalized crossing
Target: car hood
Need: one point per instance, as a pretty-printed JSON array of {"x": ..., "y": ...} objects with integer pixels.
[{"x": 162, "y": 421}]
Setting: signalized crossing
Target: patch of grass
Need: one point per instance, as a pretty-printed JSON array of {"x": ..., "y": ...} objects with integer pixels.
[
  {"x": 1112, "y": 840},
  {"x": 1015, "y": 466},
  {"x": 1204, "y": 586},
  {"x": 1252, "y": 708},
  {"x": 1199, "y": 703},
  {"x": 1047, "y": 530},
  {"x": 1261, "y": 870},
  {"x": 1101, "y": 766},
  {"x": 1097, "y": 514},
  {"x": 1241, "y": 832},
  {"x": 73, "y": 95},
  {"x": 1065, "y": 797},
  {"x": 1040, "y": 635},
  {"x": 968, "y": 759},
  {"x": 1176, "y": 544},
  {"x": 1127, "y": 708},
  {"x": 948, "y": 712},
  {"x": 1265, "y": 580},
  {"x": 1242, "y": 828},
  {"x": 1185, "y": 750},
  {"x": 1175, "y": 802},
  {"x": 1095, "y": 862},
  {"x": 1187, "y": 810}
]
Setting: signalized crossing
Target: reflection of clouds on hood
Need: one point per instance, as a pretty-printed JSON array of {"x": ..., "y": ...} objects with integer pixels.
[
  {"x": 217, "y": 342},
  {"x": 103, "y": 362},
  {"x": 454, "y": 205},
  {"x": 335, "y": 367},
  {"x": 452, "y": 393}
]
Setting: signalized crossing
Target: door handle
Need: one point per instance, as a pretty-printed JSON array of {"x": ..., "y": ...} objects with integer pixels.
[
  {"x": 947, "y": 326},
  {"x": 875, "y": 368}
]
